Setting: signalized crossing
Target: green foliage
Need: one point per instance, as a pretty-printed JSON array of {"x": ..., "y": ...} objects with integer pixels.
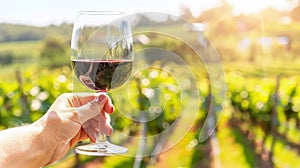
[
  {"x": 54, "y": 53},
  {"x": 10, "y": 32},
  {"x": 158, "y": 96},
  {"x": 254, "y": 97},
  {"x": 13, "y": 32},
  {"x": 154, "y": 97},
  {"x": 23, "y": 49},
  {"x": 6, "y": 58},
  {"x": 26, "y": 101},
  {"x": 18, "y": 54}
]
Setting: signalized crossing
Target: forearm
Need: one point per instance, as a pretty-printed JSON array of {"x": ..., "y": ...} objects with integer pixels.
[{"x": 23, "y": 147}]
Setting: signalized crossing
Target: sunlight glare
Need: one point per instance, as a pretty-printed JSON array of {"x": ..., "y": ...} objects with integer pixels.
[{"x": 252, "y": 7}]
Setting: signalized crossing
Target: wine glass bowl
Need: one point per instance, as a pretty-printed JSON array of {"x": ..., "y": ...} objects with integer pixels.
[
  {"x": 102, "y": 59},
  {"x": 102, "y": 75}
]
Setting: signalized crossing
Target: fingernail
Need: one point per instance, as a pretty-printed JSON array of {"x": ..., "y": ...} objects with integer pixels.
[
  {"x": 111, "y": 110},
  {"x": 101, "y": 99}
]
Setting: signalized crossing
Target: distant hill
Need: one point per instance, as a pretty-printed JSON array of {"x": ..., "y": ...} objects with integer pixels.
[{"x": 15, "y": 32}]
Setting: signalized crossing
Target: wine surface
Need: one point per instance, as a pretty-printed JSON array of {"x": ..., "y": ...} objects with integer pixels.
[{"x": 102, "y": 75}]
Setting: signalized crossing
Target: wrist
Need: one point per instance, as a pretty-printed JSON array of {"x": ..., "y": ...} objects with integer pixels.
[
  {"x": 23, "y": 146},
  {"x": 44, "y": 143}
]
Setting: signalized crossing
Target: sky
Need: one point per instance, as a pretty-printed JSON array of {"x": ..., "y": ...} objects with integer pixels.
[{"x": 45, "y": 12}]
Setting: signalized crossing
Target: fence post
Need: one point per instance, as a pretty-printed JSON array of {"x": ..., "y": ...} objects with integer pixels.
[
  {"x": 24, "y": 101},
  {"x": 213, "y": 140},
  {"x": 143, "y": 132},
  {"x": 274, "y": 119}
]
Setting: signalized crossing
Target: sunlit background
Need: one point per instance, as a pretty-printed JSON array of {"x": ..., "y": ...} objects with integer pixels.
[
  {"x": 43, "y": 13},
  {"x": 258, "y": 42}
]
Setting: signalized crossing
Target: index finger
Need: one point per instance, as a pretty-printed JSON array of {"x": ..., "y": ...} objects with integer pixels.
[
  {"x": 108, "y": 107},
  {"x": 79, "y": 99}
]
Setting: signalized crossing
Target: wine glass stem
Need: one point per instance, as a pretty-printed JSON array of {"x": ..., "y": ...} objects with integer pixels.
[
  {"x": 102, "y": 143},
  {"x": 101, "y": 138}
]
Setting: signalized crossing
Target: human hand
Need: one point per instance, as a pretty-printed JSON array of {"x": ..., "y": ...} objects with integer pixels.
[{"x": 73, "y": 118}]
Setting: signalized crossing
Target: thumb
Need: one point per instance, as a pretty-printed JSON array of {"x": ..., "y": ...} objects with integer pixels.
[{"x": 91, "y": 109}]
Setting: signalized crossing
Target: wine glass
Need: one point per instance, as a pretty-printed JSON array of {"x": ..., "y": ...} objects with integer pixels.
[{"x": 102, "y": 58}]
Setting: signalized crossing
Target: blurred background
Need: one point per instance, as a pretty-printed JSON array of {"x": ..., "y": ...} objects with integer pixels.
[{"x": 259, "y": 45}]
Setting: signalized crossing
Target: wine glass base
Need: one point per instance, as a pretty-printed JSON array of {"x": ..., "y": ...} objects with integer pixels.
[{"x": 101, "y": 149}]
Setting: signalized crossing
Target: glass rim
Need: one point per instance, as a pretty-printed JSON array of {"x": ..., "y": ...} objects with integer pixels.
[{"x": 92, "y": 12}]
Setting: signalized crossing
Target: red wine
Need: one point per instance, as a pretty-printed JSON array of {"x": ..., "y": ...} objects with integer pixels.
[{"x": 102, "y": 75}]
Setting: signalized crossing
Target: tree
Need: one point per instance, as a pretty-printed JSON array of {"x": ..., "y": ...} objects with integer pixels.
[
  {"x": 54, "y": 53},
  {"x": 295, "y": 13},
  {"x": 186, "y": 13},
  {"x": 220, "y": 19}
]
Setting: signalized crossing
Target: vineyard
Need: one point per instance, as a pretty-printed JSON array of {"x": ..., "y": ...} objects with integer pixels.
[
  {"x": 267, "y": 113},
  {"x": 176, "y": 109},
  {"x": 261, "y": 116}
]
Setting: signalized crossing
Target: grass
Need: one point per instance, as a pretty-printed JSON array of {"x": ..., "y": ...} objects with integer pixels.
[
  {"x": 233, "y": 146},
  {"x": 8, "y": 72},
  {"x": 22, "y": 48},
  {"x": 25, "y": 55},
  {"x": 284, "y": 156}
]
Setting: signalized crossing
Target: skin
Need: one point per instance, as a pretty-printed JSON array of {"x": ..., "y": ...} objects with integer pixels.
[{"x": 70, "y": 119}]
